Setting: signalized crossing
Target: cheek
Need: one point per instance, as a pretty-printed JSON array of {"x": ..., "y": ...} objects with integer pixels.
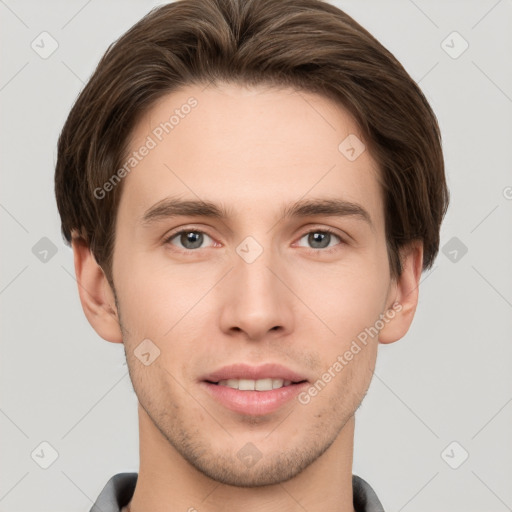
[
  {"x": 155, "y": 295},
  {"x": 337, "y": 299},
  {"x": 347, "y": 298}
]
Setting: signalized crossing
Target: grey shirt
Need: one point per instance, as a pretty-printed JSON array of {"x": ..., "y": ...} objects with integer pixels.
[{"x": 119, "y": 491}]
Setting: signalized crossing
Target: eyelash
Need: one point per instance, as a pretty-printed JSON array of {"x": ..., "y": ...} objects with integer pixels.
[{"x": 327, "y": 250}]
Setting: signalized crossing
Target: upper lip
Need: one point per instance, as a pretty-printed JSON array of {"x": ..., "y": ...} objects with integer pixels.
[{"x": 245, "y": 371}]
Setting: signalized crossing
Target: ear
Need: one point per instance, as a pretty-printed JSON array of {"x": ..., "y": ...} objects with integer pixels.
[
  {"x": 96, "y": 295},
  {"x": 405, "y": 291}
]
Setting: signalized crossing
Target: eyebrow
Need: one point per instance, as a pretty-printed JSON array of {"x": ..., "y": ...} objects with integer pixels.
[{"x": 174, "y": 207}]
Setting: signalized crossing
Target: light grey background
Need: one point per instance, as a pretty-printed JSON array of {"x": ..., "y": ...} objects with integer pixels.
[{"x": 448, "y": 380}]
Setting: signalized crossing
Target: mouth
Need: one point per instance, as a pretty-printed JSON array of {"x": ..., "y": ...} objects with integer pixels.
[
  {"x": 253, "y": 390},
  {"x": 267, "y": 384}
]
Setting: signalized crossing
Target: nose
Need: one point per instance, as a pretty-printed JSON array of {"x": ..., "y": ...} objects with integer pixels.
[{"x": 256, "y": 301}]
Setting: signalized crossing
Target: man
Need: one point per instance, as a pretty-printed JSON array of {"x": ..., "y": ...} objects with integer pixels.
[{"x": 252, "y": 190}]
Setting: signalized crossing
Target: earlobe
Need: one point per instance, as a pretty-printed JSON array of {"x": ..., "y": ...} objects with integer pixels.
[
  {"x": 405, "y": 291},
  {"x": 96, "y": 295}
]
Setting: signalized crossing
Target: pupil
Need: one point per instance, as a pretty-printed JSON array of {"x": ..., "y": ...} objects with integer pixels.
[
  {"x": 318, "y": 238},
  {"x": 192, "y": 240}
]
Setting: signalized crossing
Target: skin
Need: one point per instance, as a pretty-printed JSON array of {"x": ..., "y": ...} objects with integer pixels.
[{"x": 253, "y": 151}]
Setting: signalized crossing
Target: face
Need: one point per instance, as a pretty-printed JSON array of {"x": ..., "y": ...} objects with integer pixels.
[{"x": 261, "y": 282}]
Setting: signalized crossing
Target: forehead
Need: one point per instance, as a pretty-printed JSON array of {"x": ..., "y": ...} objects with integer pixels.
[{"x": 248, "y": 148}]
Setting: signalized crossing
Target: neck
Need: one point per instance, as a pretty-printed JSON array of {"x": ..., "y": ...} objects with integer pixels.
[{"x": 168, "y": 483}]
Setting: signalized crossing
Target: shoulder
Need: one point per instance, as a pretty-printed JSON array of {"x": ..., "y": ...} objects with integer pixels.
[
  {"x": 365, "y": 498},
  {"x": 118, "y": 491}
]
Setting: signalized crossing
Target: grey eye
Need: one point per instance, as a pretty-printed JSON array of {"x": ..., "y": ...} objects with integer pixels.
[
  {"x": 320, "y": 239},
  {"x": 189, "y": 239}
]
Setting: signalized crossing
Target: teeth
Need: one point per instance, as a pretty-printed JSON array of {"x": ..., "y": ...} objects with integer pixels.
[{"x": 255, "y": 385}]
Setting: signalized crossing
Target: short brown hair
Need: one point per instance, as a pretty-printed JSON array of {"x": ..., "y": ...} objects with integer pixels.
[{"x": 309, "y": 45}]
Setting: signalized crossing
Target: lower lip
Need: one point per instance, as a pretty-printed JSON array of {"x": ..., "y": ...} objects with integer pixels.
[{"x": 255, "y": 403}]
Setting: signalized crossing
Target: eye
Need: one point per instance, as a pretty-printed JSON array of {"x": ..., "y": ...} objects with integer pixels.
[
  {"x": 321, "y": 238},
  {"x": 190, "y": 239}
]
